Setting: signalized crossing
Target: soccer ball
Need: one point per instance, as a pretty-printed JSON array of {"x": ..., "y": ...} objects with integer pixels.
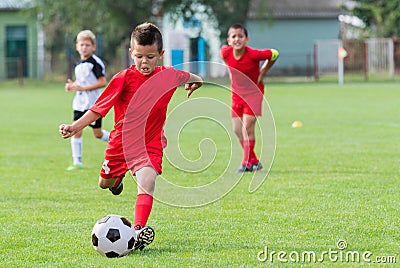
[{"x": 113, "y": 236}]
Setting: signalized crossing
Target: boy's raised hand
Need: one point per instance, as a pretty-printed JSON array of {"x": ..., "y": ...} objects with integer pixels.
[
  {"x": 190, "y": 87},
  {"x": 71, "y": 85},
  {"x": 65, "y": 131},
  {"x": 68, "y": 85}
]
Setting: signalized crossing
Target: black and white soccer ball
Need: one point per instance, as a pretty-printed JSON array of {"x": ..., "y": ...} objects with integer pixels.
[{"x": 113, "y": 236}]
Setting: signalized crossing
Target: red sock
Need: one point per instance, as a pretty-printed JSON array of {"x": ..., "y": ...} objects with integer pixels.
[
  {"x": 252, "y": 155},
  {"x": 249, "y": 156},
  {"x": 242, "y": 143},
  {"x": 245, "y": 146},
  {"x": 143, "y": 206}
]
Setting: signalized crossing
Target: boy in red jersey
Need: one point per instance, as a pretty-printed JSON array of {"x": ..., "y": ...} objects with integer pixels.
[
  {"x": 247, "y": 89},
  {"x": 140, "y": 97}
]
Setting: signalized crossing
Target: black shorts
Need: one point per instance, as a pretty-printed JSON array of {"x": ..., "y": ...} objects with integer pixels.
[{"x": 95, "y": 124}]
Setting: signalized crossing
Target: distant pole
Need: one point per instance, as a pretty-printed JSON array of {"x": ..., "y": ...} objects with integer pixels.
[
  {"x": 316, "y": 74},
  {"x": 20, "y": 71},
  {"x": 69, "y": 58},
  {"x": 201, "y": 56},
  {"x": 366, "y": 61},
  {"x": 342, "y": 53},
  {"x": 341, "y": 72},
  {"x": 99, "y": 45}
]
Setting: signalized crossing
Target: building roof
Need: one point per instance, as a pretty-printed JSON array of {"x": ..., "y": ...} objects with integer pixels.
[
  {"x": 14, "y": 4},
  {"x": 294, "y": 9}
]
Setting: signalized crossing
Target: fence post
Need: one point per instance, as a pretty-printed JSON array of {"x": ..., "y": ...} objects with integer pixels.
[
  {"x": 20, "y": 70},
  {"x": 69, "y": 60},
  {"x": 365, "y": 60},
  {"x": 316, "y": 75}
]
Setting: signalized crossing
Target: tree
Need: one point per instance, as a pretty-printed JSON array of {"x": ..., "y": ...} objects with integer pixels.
[
  {"x": 382, "y": 17},
  {"x": 227, "y": 12},
  {"x": 113, "y": 20},
  {"x": 62, "y": 20}
]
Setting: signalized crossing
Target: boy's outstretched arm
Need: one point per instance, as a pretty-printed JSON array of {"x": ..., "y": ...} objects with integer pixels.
[
  {"x": 67, "y": 131},
  {"x": 193, "y": 83},
  {"x": 71, "y": 85}
]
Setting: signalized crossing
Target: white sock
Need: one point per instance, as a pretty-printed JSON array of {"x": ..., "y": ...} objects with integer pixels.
[
  {"x": 76, "y": 146},
  {"x": 105, "y": 136}
]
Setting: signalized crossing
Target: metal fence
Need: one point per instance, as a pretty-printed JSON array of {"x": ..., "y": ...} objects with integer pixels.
[{"x": 365, "y": 57}]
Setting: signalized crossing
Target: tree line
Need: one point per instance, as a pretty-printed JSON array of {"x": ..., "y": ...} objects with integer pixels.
[{"x": 115, "y": 19}]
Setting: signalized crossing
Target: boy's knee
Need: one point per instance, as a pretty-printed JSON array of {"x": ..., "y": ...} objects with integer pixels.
[
  {"x": 98, "y": 136},
  {"x": 238, "y": 132},
  {"x": 103, "y": 183},
  {"x": 250, "y": 131}
]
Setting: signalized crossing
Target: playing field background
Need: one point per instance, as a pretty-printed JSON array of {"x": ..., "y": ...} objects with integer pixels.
[{"x": 334, "y": 182}]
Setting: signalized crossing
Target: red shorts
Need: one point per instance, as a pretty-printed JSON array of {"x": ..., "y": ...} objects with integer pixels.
[
  {"x": 253, "y": 106},
  {"x": 116, "y": 166}
]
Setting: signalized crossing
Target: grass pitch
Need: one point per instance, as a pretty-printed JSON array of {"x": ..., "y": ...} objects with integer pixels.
[{"x": 331, "y": 198}]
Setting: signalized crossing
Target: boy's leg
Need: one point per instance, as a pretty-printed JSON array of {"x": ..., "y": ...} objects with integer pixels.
[
  {"x": 76, "y": 149},
  {"x": 107, "y": 183},
  {"x": 115, "y": 185},
  {"x": 98, "y": 132},
  {"x": 249, "y": 122},
  {"x": 112, "y": 171},
  {"x": 237, "y": 126},
  {"x": 76, "y": 145},
  {"x": 105, "y": 135},
  {"x": 144, "y": 235},
  {"x": 240, "y": 126},
  {"x": 145, "y": 178},
  {"x": 101, "y": 134}
]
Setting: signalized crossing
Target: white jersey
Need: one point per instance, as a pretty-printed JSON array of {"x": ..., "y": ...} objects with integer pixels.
[{"x": 87, "y": 73}]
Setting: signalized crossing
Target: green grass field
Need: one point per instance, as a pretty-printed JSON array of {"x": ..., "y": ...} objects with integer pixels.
[{"x": 334, "y": 179}]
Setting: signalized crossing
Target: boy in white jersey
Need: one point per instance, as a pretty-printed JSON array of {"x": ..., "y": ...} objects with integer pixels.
[{"x": 90, "y": 78}]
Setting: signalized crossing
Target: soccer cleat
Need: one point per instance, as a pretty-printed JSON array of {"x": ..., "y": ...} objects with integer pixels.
[
  {"x": 116, "y": 190},
  {"x": 250, "y": 168},
  {"x": 242, "y": 169},
  {"x": 74, "y": 167},
  {"x": 144, "y": 236},
  {"x": 255, "y": 167}
]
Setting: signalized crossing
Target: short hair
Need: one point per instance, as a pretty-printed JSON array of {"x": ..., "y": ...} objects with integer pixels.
[
  {"x": 238, "y": 26},
  {"x": 147, "y": 34},
  {"x": 86, "y": 35}
]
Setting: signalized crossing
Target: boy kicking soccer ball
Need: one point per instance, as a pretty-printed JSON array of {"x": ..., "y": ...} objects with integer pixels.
[{"x": 140, "y": 97}]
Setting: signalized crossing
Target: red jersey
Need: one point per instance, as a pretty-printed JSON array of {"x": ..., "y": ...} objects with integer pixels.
[
  {"x": 140, "y": 104},
  {"x": 248, "y": 65}
]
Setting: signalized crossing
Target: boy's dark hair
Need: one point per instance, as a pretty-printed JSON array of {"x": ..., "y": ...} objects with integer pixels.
[
  {"x": 147, "y": 34},
  {"x": 238, "y": 26}
]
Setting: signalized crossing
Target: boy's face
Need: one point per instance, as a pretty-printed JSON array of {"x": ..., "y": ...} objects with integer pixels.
[
  {"x": 237, "y": 38},
  {"x": 85, "y": 48},
  {"x": 145, "y": 57}
]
